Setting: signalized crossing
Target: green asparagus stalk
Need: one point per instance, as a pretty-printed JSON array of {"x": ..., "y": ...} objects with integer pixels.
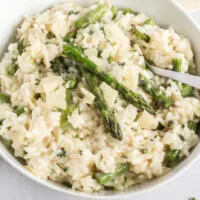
[
  {"x": 114, "y": 11},
  {"x": 128, "y": 10},
  {"x": 176, "y": 62},
  {"x": 172, "y": 158},
  {"x": 69, "y": 37},
  {"x": 75, "y": 53},
  {"x": 142, "y": 36},
  {"x": 103, "y": 178},
  {"x": 91, "y": 17},
  {"x": 149, "y": 22},
  {"x": 160, "y": 97},
  {"x": 110, "y": 122},
  {"x": 186, "y": 90},
  {"x": 64, "y": 124},
  {"x": 58, "y": 66}
]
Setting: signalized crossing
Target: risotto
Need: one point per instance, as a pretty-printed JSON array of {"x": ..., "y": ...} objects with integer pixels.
[{"x": 80, "y": 106}]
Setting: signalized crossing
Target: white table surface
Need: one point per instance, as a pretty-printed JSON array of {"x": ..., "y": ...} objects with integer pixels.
[{"x": 14, "y": 186}]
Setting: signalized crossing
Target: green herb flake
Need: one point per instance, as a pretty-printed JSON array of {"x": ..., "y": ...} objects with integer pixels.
[
  {"x": 4, "y": 98},
  {"x": 21, "y": 46},
  {"x": 1, "y": 122},
  {"x": 192, "y": 198},
  {"x": 80, "y": 152},
  {"x": 128, "y": 10},
  {"x": 72, "y": 12},
  {"x": 37, "y": 96},
  {"x": 182, "y": 138},
  {"x": 110, "y": 59},
  {"x": 103, "y": 178},
  {"x": 61, "y": 153},
  {"x": 65, "y": 169},
  {"x": 160, "y": 126},
  {"x": 12, "y": 69},
  {"x": 192, "y": 125},
  {"x": 6, "y": 142},
  {"x": 144, "y": 151},
  {"x": 50, "y": 35},
  {"x": 114, "y": 11},
  {"x": 149, "y": 22},
  {"x": 69, "y": 37},
  {"x": 18, "y": 110},
  {"x": 142, "y": 36}
]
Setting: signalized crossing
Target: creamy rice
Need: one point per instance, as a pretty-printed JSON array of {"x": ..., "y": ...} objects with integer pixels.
[{"x": 73, "y": 155}]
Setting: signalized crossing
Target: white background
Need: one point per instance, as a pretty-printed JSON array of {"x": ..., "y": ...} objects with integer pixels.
[{"x": 14, "y": 186}]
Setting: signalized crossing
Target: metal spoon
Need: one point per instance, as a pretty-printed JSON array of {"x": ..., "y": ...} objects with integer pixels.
[{"x": 189, "y": 79}]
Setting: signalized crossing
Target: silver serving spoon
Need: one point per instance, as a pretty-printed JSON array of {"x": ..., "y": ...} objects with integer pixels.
[{"x": 189, "y": 79}]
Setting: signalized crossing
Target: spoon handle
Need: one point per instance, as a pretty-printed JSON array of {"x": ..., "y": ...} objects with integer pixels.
[{"x": 189, "y": 79}]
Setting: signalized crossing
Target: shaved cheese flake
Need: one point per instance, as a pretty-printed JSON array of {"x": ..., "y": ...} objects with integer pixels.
[
  {"x": 96, "y": 60},
  {"x": 147, "y": 121},
  {"x": 115, "y": 34},
  {"x": 110, "y": 94},
  {"x": 131, "y": 77},
  {"x": 91, "y": 52},
  {"x": 49, "y": 84},
  {"x": 57, "y": 98},
  {"x": 76, "y": 120},
  {"x": 88, "y": 96}
]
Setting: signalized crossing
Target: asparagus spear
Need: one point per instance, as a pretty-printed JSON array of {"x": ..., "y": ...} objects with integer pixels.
[
  {"x": 75, "y": 53},
  {"x": 91, "y": 17},
  {"x": 110, "y": 122},
  {"x": 70, "y": 105},
  {"x": 186, "y": 90},
  {"x": 128, "y": 10},
  {"x": 69, "y": 37},
  {"x": 58, "y": 65},
  {"x": 149, "y": 22},
  {"x": 103, "y": 178},
  {"x": 172, "y": 158},
  {"x": 142, "y": 36},
  {"x": 176, "y": 62},
  {"x": 114, "y": 11},
  {"x": 155, "y": 92}
]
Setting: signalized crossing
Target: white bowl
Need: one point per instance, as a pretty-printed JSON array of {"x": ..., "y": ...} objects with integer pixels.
[{"x": 164, "y": 12}]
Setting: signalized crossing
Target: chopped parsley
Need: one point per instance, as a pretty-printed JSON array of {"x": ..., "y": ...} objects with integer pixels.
[
  {"x": 18, "y": 110},
  {"x": 61, "y": 153},
  {"x": 37, "y": 96},
  {"x": 4, "y": 98},
  {"x": 72, "y": 12},
  {"x": 12, "y": 69},
  {"x": 21, "y": 46},
  {"x": 80, "y": 152}
]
